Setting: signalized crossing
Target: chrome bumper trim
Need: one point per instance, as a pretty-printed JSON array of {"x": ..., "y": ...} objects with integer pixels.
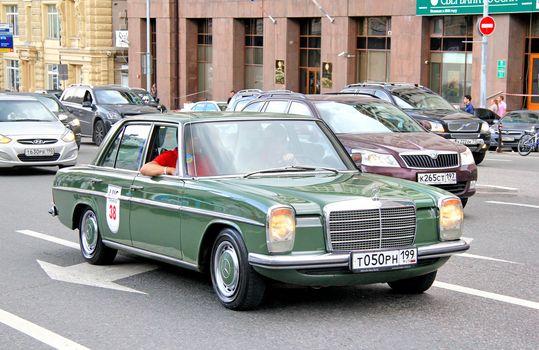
[
  {"x": 331, "y": 260},
  {"x": 53, "y": 210}
]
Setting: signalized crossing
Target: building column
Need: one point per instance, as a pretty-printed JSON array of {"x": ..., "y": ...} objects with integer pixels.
[
  {"x": 338, "y": 37},
  {"x": 135, "y": 49},
  {"x": 499, "y": 48},
  {"x": 187, "y": 61},
  {"x": 227, "y": 60},
  {"x": 167, "y": 62},
  {"x": 409, "y": 49}
]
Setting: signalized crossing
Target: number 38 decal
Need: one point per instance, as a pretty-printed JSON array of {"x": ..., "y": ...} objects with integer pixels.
[{"x": 113, "y": 208}]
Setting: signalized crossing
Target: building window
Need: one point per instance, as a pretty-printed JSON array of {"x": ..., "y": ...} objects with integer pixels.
[
  {"x": 153, "y": 48},
  {"x": 254, "y": 42},
  {"x": 13, "y": 75},
  {"x": 451, "y": 56},
  {"x": 204, "y": 58},
  {"x": 12, "y": 17},
  {"x": 373, "y": 46},
  {"x": 310, "y": 41},
  {"x": 53, "y": 22},
  {"x": 53, "y": 83}
]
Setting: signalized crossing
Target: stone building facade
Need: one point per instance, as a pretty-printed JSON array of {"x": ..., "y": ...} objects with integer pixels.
[
  {"x": 202, "y": 49},
  {"x": 75, "y": 33}
]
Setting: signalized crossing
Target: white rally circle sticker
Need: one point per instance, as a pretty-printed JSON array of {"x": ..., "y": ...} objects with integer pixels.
[{"x": 113, "y": 207}]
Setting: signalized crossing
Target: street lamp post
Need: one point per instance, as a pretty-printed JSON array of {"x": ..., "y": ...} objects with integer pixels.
[{"x": 148, "y": 53}]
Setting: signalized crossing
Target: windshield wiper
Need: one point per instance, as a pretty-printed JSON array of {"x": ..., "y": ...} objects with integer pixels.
[{"x": 295, "y": 168}]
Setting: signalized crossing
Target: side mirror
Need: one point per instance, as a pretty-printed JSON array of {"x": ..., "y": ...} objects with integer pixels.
[
  {"x": 62, "y": 117},
  {"x": 425, "y": 124},
  {"x": 157, "y": 99}
]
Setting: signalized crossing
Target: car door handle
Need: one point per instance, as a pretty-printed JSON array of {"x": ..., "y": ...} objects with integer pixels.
[
  {"x": 95, "y": 180},
  {"x": 136, "y": 187}
]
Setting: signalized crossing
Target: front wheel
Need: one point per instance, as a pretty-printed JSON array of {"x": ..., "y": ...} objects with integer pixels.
[
  {"x": 478, "y": 157},
  {"x": 99, "y": 132},
  {"x": 414, "y": 285},
  {"x": 525, "y": 145},
  {"x": 236, "y": 284},
  {"x": 92, "y": 248}
]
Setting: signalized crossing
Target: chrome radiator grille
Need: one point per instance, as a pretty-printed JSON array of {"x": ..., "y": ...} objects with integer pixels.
[
  {"x": 425, "y": 161},
  {"x": 463, "y": 125},
  {"x": 371, "y": 228}
]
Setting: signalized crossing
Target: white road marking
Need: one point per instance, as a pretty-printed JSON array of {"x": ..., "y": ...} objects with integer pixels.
[
  {"x": 487, "y": 295},
  {"x": 50, "y": 238},
  {"x": 473, "y": 256},
  {"x": 37, "y": 332},
  {"x": 498, "y": 187},
  {"x": 96, "y": 275},
  {"x": 515, "y": 204}
]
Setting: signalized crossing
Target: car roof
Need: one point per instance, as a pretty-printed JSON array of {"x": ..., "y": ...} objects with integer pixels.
[
  {"x": 345, "y": 98},
  {"x": 101, "y": 87},
  {"x": 16, "y": 97},
  {"x": 186, "y": 117}
]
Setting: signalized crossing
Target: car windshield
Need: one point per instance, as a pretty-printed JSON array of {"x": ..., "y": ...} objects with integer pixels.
[
  {"x": 50, "y": 103},
  {"x": 116, "y": 97},
  {"x": 521, "y": 118},
  {"x": 372, "y": 117},
  {"x": 420, "y": 99},
  {"x": 24, "y": 111},
  {"x": 243, "y": 147}
]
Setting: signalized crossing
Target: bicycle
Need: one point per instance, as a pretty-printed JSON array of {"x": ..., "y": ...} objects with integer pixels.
[{"x": 528, "y": 142}]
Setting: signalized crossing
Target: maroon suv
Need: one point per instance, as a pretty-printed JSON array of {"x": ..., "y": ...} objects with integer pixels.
[{"x": 389, "y": 141}]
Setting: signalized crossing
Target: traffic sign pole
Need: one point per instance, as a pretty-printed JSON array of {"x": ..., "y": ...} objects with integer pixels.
[{"x": 484, "y": 45}]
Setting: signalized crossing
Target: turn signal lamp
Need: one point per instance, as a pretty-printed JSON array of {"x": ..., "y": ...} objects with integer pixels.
[
  {"x": 281, "y": 229},
  {"x": 451, "y": 218},
  {"x": 4, "y": 139}
]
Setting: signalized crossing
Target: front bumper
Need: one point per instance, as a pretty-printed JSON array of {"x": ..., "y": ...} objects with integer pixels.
[
  {"x": 342, "y": 260},
  {"x": 13, "y": 153}
]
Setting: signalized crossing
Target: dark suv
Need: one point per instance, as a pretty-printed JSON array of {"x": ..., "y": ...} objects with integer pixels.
[
  {"x": 389, "y": 141},
  {"x": 98, "y": 107},
  {"x": 433, "y": 110}
]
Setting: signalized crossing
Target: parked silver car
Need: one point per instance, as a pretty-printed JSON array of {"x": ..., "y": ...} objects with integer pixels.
[{"x": 30, "y": 135}]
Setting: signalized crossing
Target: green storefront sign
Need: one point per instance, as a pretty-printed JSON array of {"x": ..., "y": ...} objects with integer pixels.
[{"x": 473, "y": 7}]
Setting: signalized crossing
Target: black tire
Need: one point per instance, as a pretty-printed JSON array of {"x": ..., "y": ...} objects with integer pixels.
[
  {"x": 92, "y": 248},
  {"x": 237, "y": 285},
  {"x": 478, "y": 157},
  {"x": 464, "y": 201},
  {"x": 525, "y": 145},
  {"x": 99, "y": 132},
  {"x": 414, "y": 285}
]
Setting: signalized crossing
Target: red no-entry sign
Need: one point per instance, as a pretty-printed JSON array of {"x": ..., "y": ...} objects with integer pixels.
[{"x": 486, "y": 25}]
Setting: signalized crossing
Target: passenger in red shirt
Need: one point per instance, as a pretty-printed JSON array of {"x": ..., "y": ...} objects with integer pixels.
[{"x": 163, "y": 164}]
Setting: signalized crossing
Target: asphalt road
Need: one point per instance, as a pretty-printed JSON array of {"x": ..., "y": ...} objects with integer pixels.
[{"x": 485, "y": 299}]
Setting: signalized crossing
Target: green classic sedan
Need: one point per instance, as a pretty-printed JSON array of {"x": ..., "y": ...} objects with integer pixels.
[{"x": 254, "y": 198}]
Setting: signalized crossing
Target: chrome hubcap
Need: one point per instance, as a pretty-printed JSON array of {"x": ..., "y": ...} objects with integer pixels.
[
  {"x": 89, "y": 233},
  {"x": 226, "y": 270}
]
